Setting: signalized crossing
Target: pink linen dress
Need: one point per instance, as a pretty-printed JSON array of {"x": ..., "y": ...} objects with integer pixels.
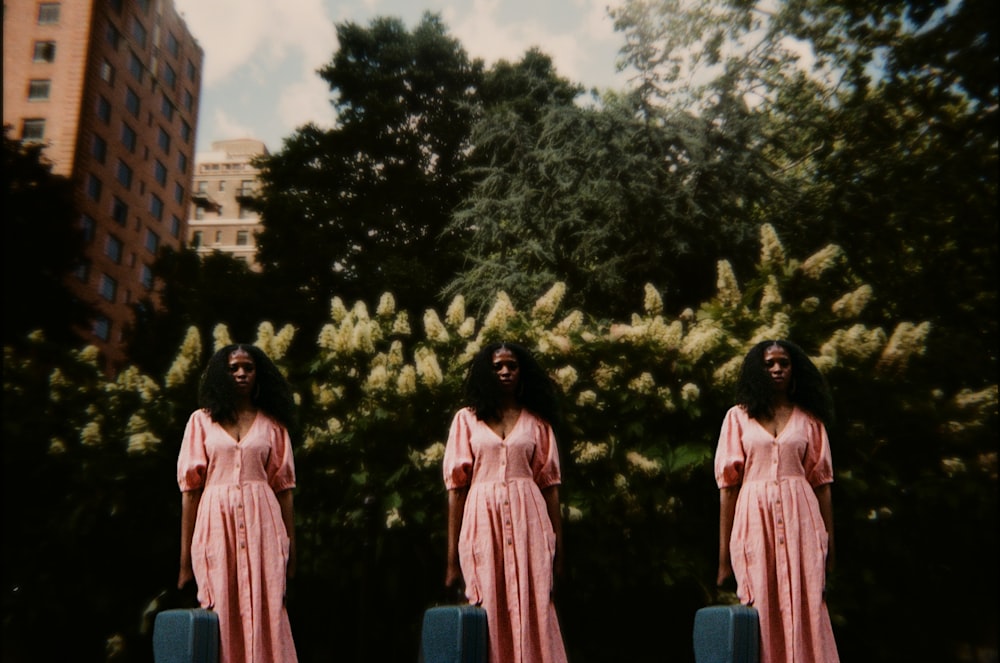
[
  {"x": 240, "y": 546},
  {"x": 507, "y": 544},
  {"x": 779, "y": 541}
]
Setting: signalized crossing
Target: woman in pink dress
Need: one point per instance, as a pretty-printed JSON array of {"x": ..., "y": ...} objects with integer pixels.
[
  {"x": 501, "y": 468},
  {"x": 236, "y": 474},
  {"x": 774, "y": 471}
]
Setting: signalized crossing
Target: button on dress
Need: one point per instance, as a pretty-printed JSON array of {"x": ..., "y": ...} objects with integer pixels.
[
  {"x": 779, "y": 541},
  {"x": 240, "y": 547},
  {"x": 507, "y": 544}
]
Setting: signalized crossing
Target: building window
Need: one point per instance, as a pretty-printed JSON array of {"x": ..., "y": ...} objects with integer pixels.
[
  {"x": 128, "y": 137},
  {"x": 175, "y": 226},
  {"x": 160, "y": 172},
  {"x": 156, "y": 207},
  {"x": 178, "y": 193},
  {"x": 114, "y": 249},
  {"x": 99, "y": 149},
  {"x": 103, "y": 109},
  {"x": 48, "y": 13},
  {"x": 185, "y": 131},
  {"x": 38, "y": 89},
  {"x": 199, "y": 212},
  {"x": 107, "y": 73},
  {"x": 242, "y": 238},
  {"x": 172, "y": 46},
  {"x": 202, "y": 186},
  {"x": 116, "y": 5},
  {"x": 196, "y": 239},
  {"x": 124, "y": 174},
  {"x": 45, "y": 51},
  {"x": 152, "y": 241},
  {"x": 167, "y": 109},
  {"x": 139, "y": 32},
  {"x": 87, "y": 228},
  {"x": 146, "y": 276},
  {"x": 218, "y": 237},
  {"x": 191, "y": 71},
  {"x": 135, "y": 66},
  {"x": 188, "y": 100},
  {"x": 108, "y": 287},
  {"x": 119, "y": 211},
  {"x": 222, "y": 185},
  {"x": 33, "y": 129},
  {"x": 182, "y": 162},
  {"x": 170, "y": 76},
  {"x": 112, "y": 36},
  {"x": 93, "y": 187},
  {"x": 102, "y": 328},
  {"x": 132, "y": 102},
  {"x": 163, "y": 140}
]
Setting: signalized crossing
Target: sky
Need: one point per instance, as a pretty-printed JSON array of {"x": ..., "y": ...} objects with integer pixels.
[{"x": 261, "y": 56}]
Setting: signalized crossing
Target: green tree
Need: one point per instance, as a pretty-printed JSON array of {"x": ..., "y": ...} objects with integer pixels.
[
  {"x": 360, "y": 209},
  {"x": 43, "y": 243}
]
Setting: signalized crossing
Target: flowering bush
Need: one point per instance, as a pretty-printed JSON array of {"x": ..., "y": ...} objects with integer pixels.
[{"x": 642, "y": 402}]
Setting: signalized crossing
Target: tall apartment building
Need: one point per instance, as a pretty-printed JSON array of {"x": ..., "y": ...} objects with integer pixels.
[
  {"x": 111, "y": 87},
  {"x": 223, "y": 217}
]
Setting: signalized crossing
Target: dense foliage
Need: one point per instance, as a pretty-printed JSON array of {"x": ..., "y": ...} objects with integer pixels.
[
  {"x": 89, "y": 473},
  {"x": 38, "y": 212}
]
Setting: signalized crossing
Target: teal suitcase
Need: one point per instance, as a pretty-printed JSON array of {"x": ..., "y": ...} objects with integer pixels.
[
  {"x": 727, "y": 634},
  {"x": 186, "y": 636},
  {"x": 454, "y": 634}
]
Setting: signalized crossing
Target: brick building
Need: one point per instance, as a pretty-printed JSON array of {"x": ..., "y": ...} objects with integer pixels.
[
  {"x": 111, "y": 87},
  {"x": 223, "y": 216}
]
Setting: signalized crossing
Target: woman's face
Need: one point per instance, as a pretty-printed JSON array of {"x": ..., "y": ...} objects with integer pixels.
[
  {"x": 778, "y": 364},
  {"x": 244, "y": 371},
  {"x": 507, "y": 370}
]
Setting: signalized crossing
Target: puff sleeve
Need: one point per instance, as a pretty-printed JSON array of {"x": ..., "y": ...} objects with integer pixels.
[
  {"x": 818, "y": 463},
  {"x": 192, "y": 461},
  {"x": 545, "y": 462},
  {"x": 730, "y": 456},
  {"x": 458, "y": 455},
  {"x": 280, "y": 462}
]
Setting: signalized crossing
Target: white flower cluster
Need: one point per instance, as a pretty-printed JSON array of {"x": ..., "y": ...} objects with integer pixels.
[
  {"x": 664, "y": 336},
  {"x": 605, "y": 375},
  {"x": 822, "y": 261},
  {"x": 401, "y": 325},
  {"x": 729, "y": 372},
  {"x": 984, "y": 400},
  {"x": 499, "y": 316},
  {"x": 906, "y": 341},
  {"x": 547, "y": 305},
  {"x": 428, "y": 369},
  {"x": 274, "y": 345},
  {"x": 430, "y": 457},
  {"x": 652, "y": 302},
  {"x": 220, "y": 337},
  {"x": 550, "y": 343},
  {"x": 386, "y": 306},
  {"x": 703, "y": 337},
  {"x": 455, "y": 313},
  {"x": 393, "y": 519},
  {"x": 857, "y": 342},
  {"x": 853, "y": 303},
  {"x": 570, "y": 323},
  {"x": 590, "y": 452},
  {"x": 728, "y": 288},
  {"x": 772, "y": 253},
  {"x": 131, "y": 379},
  {"x": 140, "y": 439},
  {"x": 780, "y": 327},
  {"x": 186, "y": 360},
  {"x": 566, "y": 377},
  {"x": 667, "y": 398},
  {"x": 377, "y": 380},
  {"x": 643, "y": 384},
  {"x": 406, "y": 382},
  {"x": 90, "y": 434},
  {"x": 434, "y": 328},
  {"x": 337, "y": 310},
  {"x": 643, "y": 465},
  {"x": 771, "y": 297},
  {"x": 587, "y": 397},
  {"x": 690, "y": 392}
]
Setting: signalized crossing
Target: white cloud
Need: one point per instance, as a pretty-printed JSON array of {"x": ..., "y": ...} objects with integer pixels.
[
  {"x": 306, "y": 101},
  {"x": 228, "y": 127}
]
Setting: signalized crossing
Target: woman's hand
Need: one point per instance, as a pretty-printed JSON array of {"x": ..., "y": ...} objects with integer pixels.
[
  {"x": 452, "y": 576},
  {"x": 185, "y": 576},
  {"x": 725, "y": 572}
]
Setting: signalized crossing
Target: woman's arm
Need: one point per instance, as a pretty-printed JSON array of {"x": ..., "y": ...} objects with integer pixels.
[
  {"x": 456, "y": 509},
  {"x": 287, "y": 505},
  {"x": 190, "y": 500},
  {"x": 825, "y": 497},
  {"x": 551, "y": 495},
  {"x": 727, "y": 511}
]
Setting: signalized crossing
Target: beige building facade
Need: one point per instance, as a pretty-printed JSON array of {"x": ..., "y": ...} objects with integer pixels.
[
  {"x": 111, "y": 89},
  {"x": 223, "y": 216}
]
